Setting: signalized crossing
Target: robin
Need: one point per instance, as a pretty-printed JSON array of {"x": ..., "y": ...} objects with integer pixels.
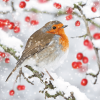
[{"x": 45, "y": 48}]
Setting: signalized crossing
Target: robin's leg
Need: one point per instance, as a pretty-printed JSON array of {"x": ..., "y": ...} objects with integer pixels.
[{"x": 51, "y": 78}]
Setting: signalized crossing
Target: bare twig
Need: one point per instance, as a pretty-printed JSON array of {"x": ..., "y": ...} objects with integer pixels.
[{"x": 80, "y": 36}]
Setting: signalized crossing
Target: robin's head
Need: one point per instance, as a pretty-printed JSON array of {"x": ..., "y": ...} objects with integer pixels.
[{"x": 54, "y": 27}]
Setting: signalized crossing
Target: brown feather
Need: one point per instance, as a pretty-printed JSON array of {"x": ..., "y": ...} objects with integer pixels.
[{"x": 37, "y": 42}]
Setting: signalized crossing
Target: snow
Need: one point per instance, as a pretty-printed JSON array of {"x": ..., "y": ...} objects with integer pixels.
[
  {"x": 11, "y": 42},
  {"x": 59, "y": 82}
]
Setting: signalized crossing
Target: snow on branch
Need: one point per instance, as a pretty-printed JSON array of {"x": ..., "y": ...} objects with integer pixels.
[{"x": 10, "y": 44}]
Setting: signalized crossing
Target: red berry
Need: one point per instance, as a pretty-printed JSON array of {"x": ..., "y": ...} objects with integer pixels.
[
  {"x": 90, "y": 46},
  {"x": 5, "y": 0},
  {"x": 1, "y": 23},
  {"x": 16, "y": 29},
  {"x": 69, "y": 10},
  {"x": 19, "y": 87},
  {"x": 96, "y": 3},
  {"x": 11, "y": 25},
  {"x": 22, "y": 4},
  {"x": 7, "y": 60},
  {"x": 57, "y": 5},
  {"x": 84, "y": 82},
  {"x": 68, "y": 17},
  {"x": 79, "y": 56},
  {"x": 85, "y": 60},
  {"x": 74, "y": 65},
  {"x": 27, "y": 0},
  {"x": 96, "y": 36},
  {"x": 79, "y": 64},
  {"x": 92, "y": 27},
  {"x": 42, "y": 1},
  {"x": 6, "y": 21},
  {"x": 93, "y": 9},
  {"x": 77, "y": 23},
  {"x": 86, "y": 42},
  {"x": 12, "y": 92},
  {"x": 34, "y": 22},
  {"x": 27, "y": 19},
  {"x": 22, "y": 87},
  {"x": 2, "y": 54}
]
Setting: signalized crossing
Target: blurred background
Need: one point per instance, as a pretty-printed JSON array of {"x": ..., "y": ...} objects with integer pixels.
[{"x": 73, "y": 76}]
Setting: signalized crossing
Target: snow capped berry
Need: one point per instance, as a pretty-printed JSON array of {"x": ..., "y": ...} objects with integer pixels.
[
  {"x": 12, "y": 92},
  {"x": 34, "y": 22},
  {"x": 85, "y": 60},
  {"x": 93, "y": 9},
  {"x": 79, "y": 56},
  {"x": 69, "y": 10},
  {"x": 22, "y": 4},
  {"x": 96, "y": 36},
  {"x": 74, "y": 65},
  {"x": 77, "y": 23},
  {"x": 42, "y": 1},
  {"x": 84, "y": 82},
  {"x": 16, "y": 29},
  {"x": 86, "y": 42},
  {"x": 7, "y": 60},
  {"x": 57, "y": 5},
  {"x": 27, "y": 18},
  {"x": 68, "y": 17},
  {"x": 11, "y": 25}
]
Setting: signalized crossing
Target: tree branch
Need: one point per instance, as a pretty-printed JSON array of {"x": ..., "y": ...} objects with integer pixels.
[{"x": 89, "y": 34}]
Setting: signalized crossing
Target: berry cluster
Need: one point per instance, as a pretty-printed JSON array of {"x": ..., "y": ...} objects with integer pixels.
[
  {"x": 10, "y": 25},
  {"x": 19, "y": 87},
  {"x": 57, "y": 5},
  {"x": 78, "y": 64},
  {"x": 69, "y": 11},
  {"x": 32, "y": 22},
  {"x": 6, "y": 56}
]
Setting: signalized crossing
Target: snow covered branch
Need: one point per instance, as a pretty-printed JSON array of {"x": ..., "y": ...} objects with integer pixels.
[{"x": 90, "y": 36}]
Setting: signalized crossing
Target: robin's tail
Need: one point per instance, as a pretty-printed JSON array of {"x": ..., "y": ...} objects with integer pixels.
[{"x": 12, "y": 72}]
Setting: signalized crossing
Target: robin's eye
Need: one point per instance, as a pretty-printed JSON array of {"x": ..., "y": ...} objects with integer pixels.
[{"x": 54, "y": 27}]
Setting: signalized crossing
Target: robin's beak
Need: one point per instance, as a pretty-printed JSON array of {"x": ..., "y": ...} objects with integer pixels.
[{"x": 64, "y": 26}]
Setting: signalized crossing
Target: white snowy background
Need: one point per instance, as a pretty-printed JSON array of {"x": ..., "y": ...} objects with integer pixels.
[{"x": 65, "y": 71}]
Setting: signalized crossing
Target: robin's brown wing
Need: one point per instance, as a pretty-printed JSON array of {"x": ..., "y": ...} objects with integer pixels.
[{"x": 37, "y": 42}]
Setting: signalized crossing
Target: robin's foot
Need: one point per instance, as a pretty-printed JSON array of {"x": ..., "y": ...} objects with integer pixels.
[{"x": 51, "y": 78}]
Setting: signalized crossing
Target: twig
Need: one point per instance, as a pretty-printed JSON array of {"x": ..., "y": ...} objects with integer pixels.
[{"x": 80, "y": 36}]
